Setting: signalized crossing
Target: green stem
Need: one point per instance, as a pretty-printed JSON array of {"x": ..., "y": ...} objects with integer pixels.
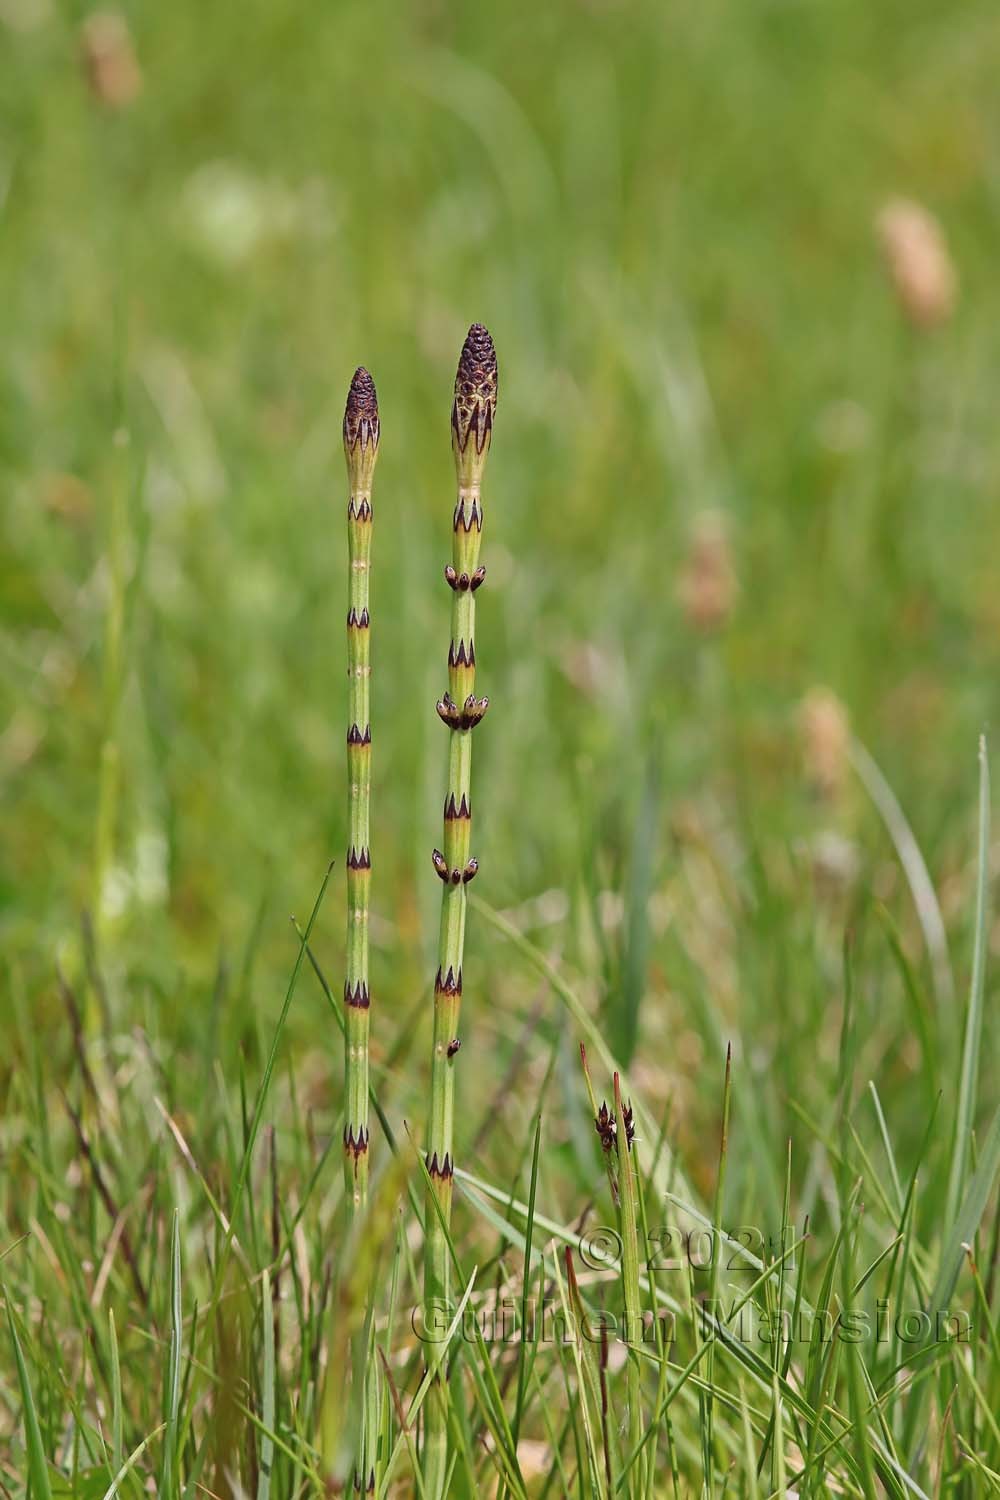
[
  {"x": 113, "y": 679},
  {"x": 361, "y": 436},
  {"x": 461, "y": 711}
]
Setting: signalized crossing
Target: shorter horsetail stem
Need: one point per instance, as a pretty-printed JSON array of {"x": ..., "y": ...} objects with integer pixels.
[
  {"x": 471, "y": 431},
  {"x": 361, "y": 435}
]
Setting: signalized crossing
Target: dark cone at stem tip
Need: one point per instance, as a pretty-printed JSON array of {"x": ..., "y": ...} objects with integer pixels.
[
  {"x": 361, "y": 429},
  {"x": 361, "y": 412},
  {"x": 475, "y": 404}
]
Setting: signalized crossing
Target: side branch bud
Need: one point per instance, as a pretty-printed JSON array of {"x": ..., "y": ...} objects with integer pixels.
[{"x": 466, "y": 717}]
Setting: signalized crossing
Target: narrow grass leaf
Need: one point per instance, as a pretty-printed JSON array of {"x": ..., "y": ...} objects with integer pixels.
[
  {"x": 172, "y": 1388},
  {"x": 965, "y": 1115},
  {"x": 914, "y": 868},
  {"x": 117, "y": 1440},
  {"x": 526, "y": 1284},
  {"x": 128, "y": 1465},
  {"x": 38, "y": 1469},
  {"x": 267, "y": 1388},
  {"x": 962, "y": 1231}
]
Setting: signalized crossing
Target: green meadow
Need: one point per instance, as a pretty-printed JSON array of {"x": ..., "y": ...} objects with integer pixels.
[{"x": 740, "y": 633}]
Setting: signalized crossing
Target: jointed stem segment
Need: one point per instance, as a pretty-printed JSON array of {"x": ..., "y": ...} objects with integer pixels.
[
  {"x": 461, "y": 711},
  {"x": 361, "y": 435}
]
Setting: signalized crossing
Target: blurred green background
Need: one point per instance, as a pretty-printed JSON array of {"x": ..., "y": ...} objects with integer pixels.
[{"x": 666, "y": 215}]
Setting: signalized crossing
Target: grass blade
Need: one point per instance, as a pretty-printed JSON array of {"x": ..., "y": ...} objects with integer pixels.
[
  {"x": 266, "y": 1391},
  {"x": 117, "y": 1440},
  {"x": 528, "y": 1232},
  {"x": 914, "y": 868},
  {"x": 38, "y": 1469},
  {"x": 126, "y": 1468},
  {"x": 969, "y": 1082},
  {"x": 169, "y": 1480},
  {"x": 962, "y": 1233}
]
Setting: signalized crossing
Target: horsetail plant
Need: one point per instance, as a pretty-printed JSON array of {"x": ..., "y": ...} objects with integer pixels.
[
  {"x": 460, "y": 710},
  {"x": 361, "y": 436}
]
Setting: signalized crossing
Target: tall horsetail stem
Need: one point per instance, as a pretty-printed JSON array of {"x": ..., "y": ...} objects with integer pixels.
[
  {"x": 460, "y": 710},
  {"x": 361, "y": 435}
]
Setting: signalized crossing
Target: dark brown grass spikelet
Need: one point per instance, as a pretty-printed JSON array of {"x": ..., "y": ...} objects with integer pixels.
[
  {"x": 607, "y": 1126},
  {"x": 109, "y": 59},
  {"x": 361, "y": 423},
  {"x": 629, "y": 1119}
]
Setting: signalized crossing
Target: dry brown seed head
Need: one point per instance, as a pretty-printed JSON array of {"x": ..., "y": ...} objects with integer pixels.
[
  {"x": 825, "y": 732},
  {"x": 707, "y": 588},
  {"x": 919, "y": 263},
  {"x": 109, "y": 59}
]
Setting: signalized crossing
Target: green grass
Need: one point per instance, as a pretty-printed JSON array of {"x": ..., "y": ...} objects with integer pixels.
[{"x": 665, "y": 217}]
